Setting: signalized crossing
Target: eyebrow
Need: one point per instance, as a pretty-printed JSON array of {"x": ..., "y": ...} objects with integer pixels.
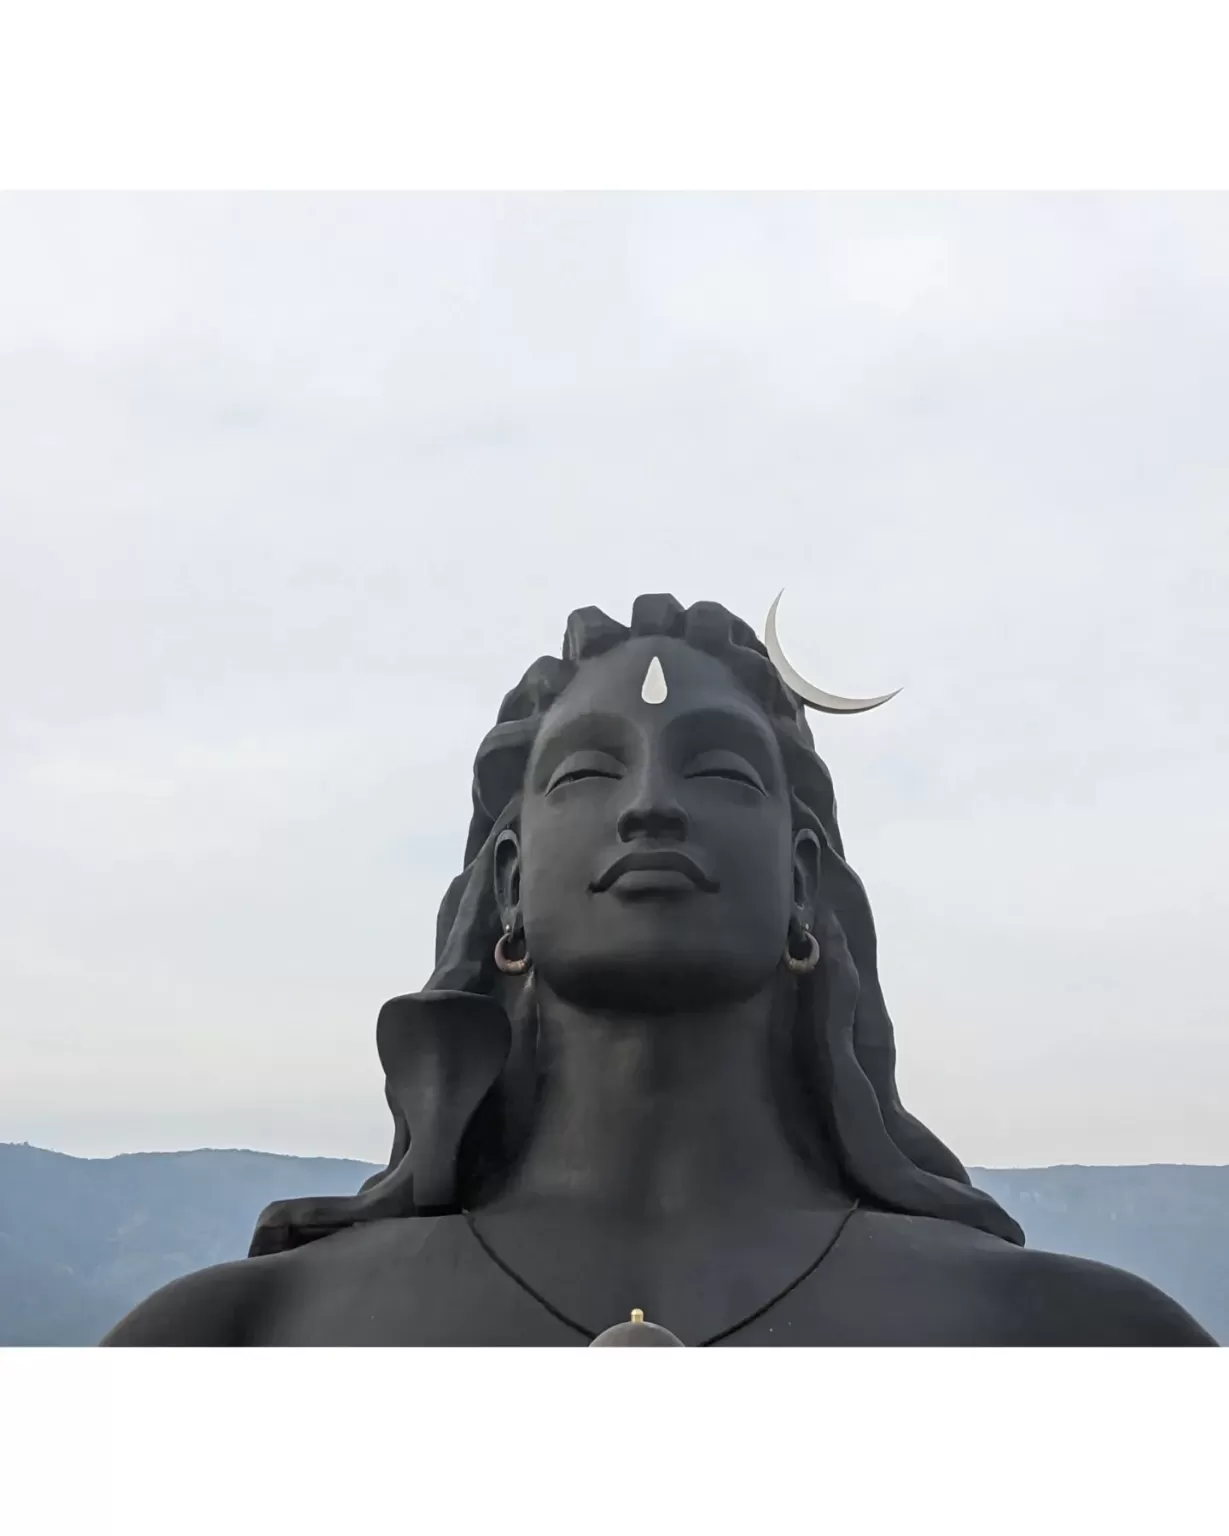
[
  {"x": 736, "y": 729},
  {"x": 607, "y": 730}
]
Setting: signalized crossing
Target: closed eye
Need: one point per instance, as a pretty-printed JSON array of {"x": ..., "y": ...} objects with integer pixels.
[
  {"x": 582, "y": 773},
  {"x": 728, "y": 774},
  {"x": 725, "y": 765},
  {"x": 588, "y": 765}
]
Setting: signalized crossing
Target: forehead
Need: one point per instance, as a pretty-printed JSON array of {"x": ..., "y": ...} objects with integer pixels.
[{"x": 614, "y": 684}]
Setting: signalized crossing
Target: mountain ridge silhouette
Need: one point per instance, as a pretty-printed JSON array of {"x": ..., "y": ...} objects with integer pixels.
[{"x": 82, "y": 1240}]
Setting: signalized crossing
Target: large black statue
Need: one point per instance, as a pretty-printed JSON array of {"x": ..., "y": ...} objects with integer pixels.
[{"x": 653, "y": 1073}]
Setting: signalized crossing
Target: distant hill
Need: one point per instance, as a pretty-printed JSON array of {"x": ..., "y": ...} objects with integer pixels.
[{"x": 82, "y": 1240}]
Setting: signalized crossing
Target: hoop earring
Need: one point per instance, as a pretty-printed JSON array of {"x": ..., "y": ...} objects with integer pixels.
[
  {"x": 509, "y": 966},
  {"x": 809, "y": 961}
]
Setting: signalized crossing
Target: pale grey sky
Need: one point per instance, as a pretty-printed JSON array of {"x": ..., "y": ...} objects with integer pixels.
[{"x": 293, "y": 489}]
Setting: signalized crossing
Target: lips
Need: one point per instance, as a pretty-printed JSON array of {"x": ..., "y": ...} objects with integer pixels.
[{"x": 639, "y": 865}]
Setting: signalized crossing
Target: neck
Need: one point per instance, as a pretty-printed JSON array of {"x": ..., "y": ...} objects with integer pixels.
[{"x": 657, "y": 1115}]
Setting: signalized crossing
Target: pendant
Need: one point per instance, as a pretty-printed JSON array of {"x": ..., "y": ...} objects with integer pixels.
[{"x": 635, "y": 1333}]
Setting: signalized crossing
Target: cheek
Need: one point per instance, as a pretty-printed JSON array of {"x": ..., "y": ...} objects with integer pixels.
[
  {"x": 753, "y": 844},
  {"x": 557, "y": 863},
  {"x": 757, "y": 880},
  {"x": 560, "y": 832}
]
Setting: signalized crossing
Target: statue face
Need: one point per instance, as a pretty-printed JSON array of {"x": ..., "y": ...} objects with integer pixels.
[{"x": 657, "y": 865}]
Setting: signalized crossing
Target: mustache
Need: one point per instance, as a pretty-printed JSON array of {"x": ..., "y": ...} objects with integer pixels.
[{"x": 672, "y": 859}]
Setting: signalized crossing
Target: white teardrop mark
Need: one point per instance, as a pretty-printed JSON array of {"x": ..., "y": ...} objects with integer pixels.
[{"x": 654, "y": 689}]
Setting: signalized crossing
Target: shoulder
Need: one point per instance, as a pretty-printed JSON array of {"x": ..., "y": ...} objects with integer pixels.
[
  {"x": 211, "y": 1306},
  {"x": 1029, "y": 1296},
  {"x": 248, "y": 1301},
  {"x": 1083, "y": 1302}
]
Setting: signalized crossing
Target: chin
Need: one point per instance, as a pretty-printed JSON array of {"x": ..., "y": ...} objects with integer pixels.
[{"x": 656, "y": 983}]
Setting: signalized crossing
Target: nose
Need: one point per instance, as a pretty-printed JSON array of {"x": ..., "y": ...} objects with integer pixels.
[{"x": 654, "y": 813}]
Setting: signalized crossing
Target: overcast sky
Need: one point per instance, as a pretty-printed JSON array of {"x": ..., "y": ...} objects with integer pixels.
[{"x": 292, "y": 490}]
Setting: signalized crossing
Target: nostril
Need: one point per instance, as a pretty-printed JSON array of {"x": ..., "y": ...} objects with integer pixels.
[
  {"x": 667, "y": 823},
  {"x": 653, "y": 821}
]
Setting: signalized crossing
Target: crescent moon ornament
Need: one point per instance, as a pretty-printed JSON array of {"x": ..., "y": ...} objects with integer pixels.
[{"x": 817, "y": 698}]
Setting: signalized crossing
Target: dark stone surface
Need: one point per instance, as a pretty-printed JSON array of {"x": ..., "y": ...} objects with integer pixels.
[{"x": 660, "y": 1113}]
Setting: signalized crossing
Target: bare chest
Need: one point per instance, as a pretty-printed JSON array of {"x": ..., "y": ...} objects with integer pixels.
[{"x": 444, "y": 1283}]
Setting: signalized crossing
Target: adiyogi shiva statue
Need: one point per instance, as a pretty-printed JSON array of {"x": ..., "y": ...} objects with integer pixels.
[{"x": 648, "y": 1094}]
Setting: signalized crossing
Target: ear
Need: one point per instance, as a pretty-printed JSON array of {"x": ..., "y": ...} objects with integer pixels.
[
  {"x": 508, "y": 876},
  {"x": 807, "y": 865}
]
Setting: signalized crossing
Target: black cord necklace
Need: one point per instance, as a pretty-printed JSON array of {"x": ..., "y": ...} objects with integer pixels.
[{"x": 588, "y": 1333}]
